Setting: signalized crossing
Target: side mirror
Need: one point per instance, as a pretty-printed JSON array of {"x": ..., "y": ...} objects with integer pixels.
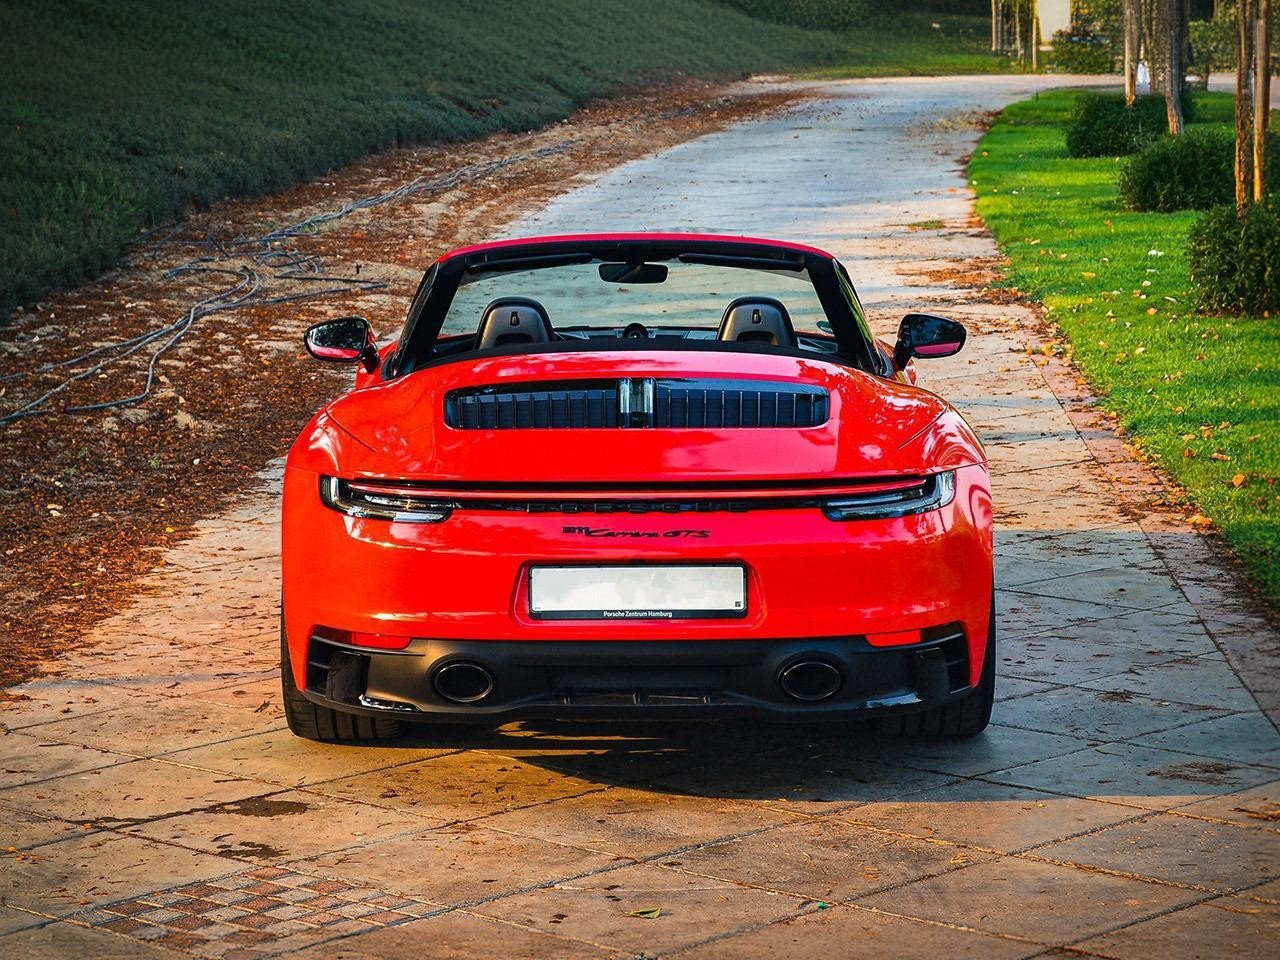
[
  {"x": 344, "y": 340},
  {"x": 926, "y": 336}
]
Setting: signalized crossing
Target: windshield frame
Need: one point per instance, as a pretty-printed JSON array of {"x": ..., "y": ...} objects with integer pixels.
[{"x": 430, "y": 307}]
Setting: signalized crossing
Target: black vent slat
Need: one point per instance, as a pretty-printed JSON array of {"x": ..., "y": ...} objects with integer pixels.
[{"x": 672, "y": 403}]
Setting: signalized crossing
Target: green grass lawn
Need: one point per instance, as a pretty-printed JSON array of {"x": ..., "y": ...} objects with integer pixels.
[
  {"x": 907, "y": 43},
  {"x": 117, "y": 116},
  {"x": 1199, "y": 394}
]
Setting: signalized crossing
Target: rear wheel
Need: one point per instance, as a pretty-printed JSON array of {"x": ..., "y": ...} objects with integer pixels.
[
  {"x": 966, "y": 717},
  {"x": 315, "y": 722}
]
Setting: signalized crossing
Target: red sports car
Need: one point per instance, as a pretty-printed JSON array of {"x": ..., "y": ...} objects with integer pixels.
[{"x": 636, "y": 476}]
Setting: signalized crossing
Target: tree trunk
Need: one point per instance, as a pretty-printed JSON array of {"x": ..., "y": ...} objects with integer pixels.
[
  {"x": 995, "y": 25},
  {"x": 1131, "y": 30},
  {"x": 1246, "y": 72},
  {"x": 1168, "y": 19},
  {"x": 1262, "y": 102},
  {"x": 1017, "y": 29},
  {"x": 1035, "y": 43},
  {"x": 1184, "y": 33}
]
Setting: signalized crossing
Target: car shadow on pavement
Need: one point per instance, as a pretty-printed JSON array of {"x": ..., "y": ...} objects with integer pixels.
[{"x": 827, "y": 766}]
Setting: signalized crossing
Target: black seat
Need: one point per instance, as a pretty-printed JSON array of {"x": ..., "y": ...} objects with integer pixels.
[
  {"x": 513, "y": 320},
  {"x": 757, "y": 320}
]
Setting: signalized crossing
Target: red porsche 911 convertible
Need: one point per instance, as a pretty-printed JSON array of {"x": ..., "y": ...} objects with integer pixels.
[{"x": 656, "y": 476}]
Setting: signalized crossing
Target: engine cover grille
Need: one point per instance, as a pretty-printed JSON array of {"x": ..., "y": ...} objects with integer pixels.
[{"x": 634, "y": 402}]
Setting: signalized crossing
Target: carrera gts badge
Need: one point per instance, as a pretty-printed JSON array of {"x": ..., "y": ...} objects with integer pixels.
[{"x": 638, "y": 534}]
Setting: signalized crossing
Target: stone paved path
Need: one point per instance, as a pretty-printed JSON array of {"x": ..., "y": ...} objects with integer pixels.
[{"x": 1123, "y": 804}]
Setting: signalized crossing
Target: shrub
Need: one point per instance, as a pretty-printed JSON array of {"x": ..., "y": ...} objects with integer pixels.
[
  {"x": 1102, "y": 126},
  {"x": 1195, "y": 171},
  {"x": 1080, "y": 49},
  {"x": 1235, "y": 261}
]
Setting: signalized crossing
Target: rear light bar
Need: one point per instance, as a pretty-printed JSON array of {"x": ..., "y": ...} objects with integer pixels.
[
  {"x": 374, "y": 501},
  {"x": 931, "y": 493},
  {"x": 402, "y": 503}
]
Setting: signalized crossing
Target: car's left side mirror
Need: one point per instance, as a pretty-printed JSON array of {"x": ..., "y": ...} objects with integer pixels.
[
  {"x": 926, "y": 336},
  {"x": 344, "y": 340}
]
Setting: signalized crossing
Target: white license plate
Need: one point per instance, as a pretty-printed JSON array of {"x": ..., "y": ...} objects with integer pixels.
[{"x": 638, "y": 592}]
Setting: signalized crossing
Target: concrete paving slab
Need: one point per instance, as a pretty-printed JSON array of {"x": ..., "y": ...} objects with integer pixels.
[
  {"x": 835, "y": 931},
  {"x": 456, "y": 935},
  {"x": 279, "y": 826},
  {"x": 1218, "y": 857},
  {"x": 277, "y": 756},
  {"x": 1255, "y": 807},
  {"x": 26, "y": 759},
  {"x": 67, "y": 877},
  {"x": 1022, "y": 612},
  {"x": 1241, "y": 737},
  {"x": 1043, "y": 902},
  {"x": 1070, "y": 660},
  {"x": 638, "y": 823},
  {"x": 969, "y": 758},
  {"x": 457, "y": 786},
  {"x": 57, "y": 941},
  {"x": 1098, "y": 716},
  {"x": 1226, "y": 927},
  {"x": 826, "y": 860},
  {"x": 13, "y": 919},
  {"x": 1009, "y": 687},
  {"x": 132, "y": 728},
  {"x": 1206, "y": 681},
  {"x": 813, "y": 783},
  {"x": 596, "y": 909},
  {"x": 1128, "y": 586},
  {"x": 462, "y": 864},
  {"x": 1137, "y": 776},
  {"x": 129, "y": 793},
  {"x": 991, "y": 816}
]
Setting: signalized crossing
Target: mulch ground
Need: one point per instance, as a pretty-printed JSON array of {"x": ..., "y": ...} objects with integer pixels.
[{"x": 91, "y": 500}]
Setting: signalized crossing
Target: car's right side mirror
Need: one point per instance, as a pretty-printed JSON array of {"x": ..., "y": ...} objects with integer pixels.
[
  {"x": 344, "y": 340},
  {"x": 926, "y": 336}
]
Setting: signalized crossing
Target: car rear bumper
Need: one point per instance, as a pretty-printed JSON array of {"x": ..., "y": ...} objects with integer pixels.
[
  {"x": 619, "y": 680},
  {"x": 873, "y": 599}
]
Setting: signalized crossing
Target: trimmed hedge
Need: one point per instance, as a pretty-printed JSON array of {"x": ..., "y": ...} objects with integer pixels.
[
  {"x": 1195, "y": 171},
  {"x": 1235, "y": 261},
  {"x": 1102, "y": 126}
]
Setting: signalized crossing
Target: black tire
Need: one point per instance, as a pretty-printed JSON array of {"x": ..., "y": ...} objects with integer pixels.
[
  {"x": 966, "y": 717},
  {"x": 314, "y": 722}
]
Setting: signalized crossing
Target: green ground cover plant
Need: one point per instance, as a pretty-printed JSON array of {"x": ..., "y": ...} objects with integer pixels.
[
  {"x": 1200, "y": 394},
  {"x": 118, "y": 116}
]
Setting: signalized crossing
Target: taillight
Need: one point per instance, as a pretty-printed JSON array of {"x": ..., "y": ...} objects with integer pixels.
[
  {"x": 900, "y": 500},
  {"x": 367, "y": 499}
]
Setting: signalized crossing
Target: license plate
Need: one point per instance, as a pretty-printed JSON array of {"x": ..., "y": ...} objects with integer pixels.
[{"x": 638, "y": 592}]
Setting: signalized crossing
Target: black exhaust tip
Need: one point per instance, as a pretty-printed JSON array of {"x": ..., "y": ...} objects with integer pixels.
[
  {"x": 463, "y": 682},
  {"x": 810, "y": 680}
]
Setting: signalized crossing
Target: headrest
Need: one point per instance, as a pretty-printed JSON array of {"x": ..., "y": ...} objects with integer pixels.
[
  {"x": 513, "y": 320},
  {"x": 759, "y": 320}
]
